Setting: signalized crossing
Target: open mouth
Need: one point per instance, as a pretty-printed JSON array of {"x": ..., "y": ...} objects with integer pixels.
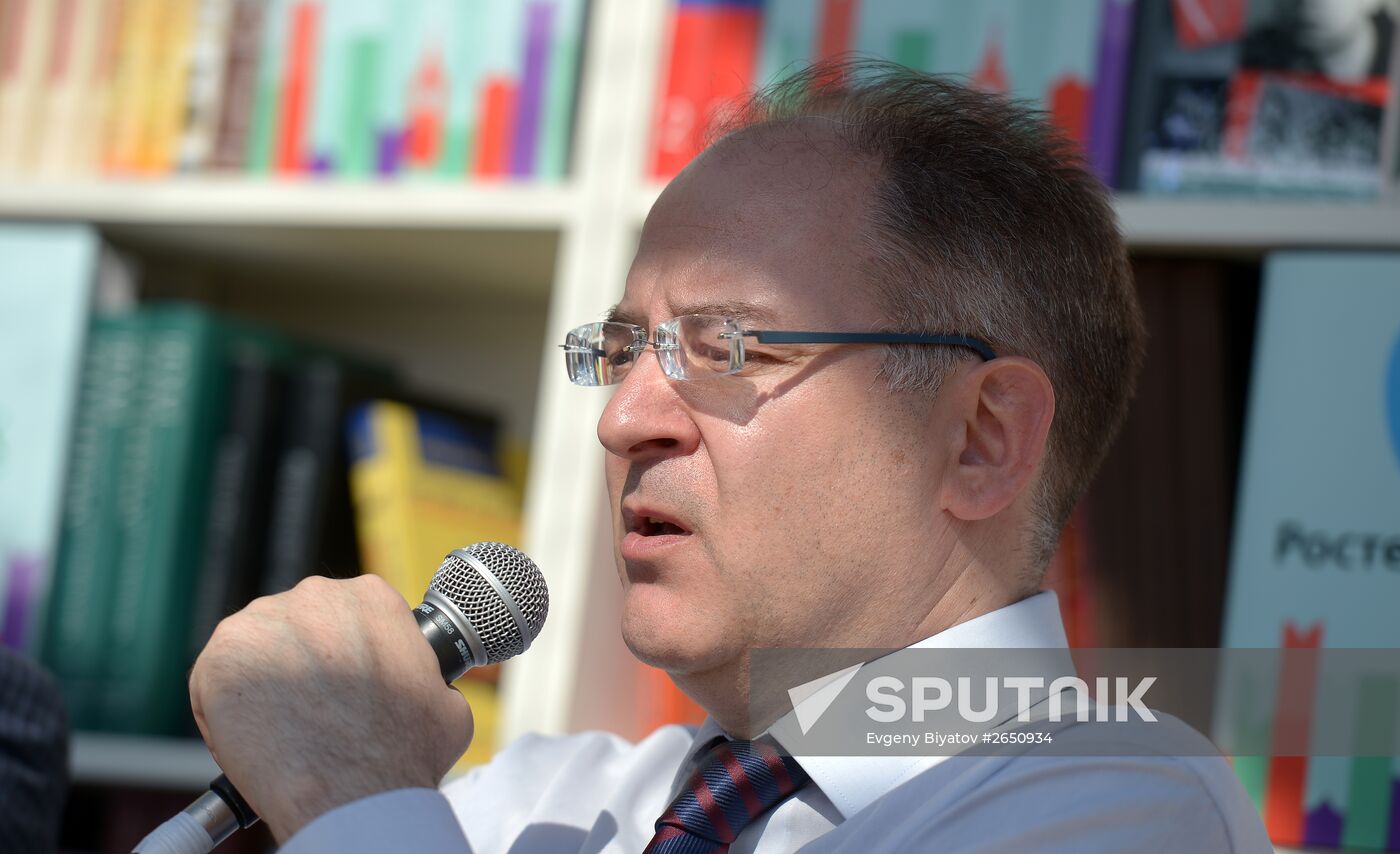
[
  {"x": 649, "y": 523},
  {"x": 653, "y": 527}
]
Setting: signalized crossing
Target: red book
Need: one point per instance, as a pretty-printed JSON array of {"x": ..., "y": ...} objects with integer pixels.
[
  {"x": 297, "y": 86},
  {"x": 837, "y": 21},
  {"x": 714, "y": 53},
  {"x": 497, "y": 118}
]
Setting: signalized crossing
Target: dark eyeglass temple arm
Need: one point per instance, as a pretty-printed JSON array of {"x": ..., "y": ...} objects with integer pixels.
[{"x": 775, "y": 336}]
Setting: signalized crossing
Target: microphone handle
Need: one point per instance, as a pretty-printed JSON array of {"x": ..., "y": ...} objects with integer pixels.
[{"x": 226, "y": 811}]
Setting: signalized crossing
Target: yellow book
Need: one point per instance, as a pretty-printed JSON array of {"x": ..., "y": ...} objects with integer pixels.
[
  {"x": 422, "y": 486},
  {"x": 172, "y": 49},
  {"x": 131, "y": 86}
]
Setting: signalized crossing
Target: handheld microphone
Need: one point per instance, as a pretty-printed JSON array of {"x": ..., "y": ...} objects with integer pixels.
[{"x": 485, "y": 604}]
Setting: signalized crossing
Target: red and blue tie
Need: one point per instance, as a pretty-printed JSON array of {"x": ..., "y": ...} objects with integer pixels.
[{"x": 737, "y": 781}]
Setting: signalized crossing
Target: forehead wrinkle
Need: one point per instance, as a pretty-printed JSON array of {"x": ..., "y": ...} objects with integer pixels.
[{"x": 741, "y": 310}]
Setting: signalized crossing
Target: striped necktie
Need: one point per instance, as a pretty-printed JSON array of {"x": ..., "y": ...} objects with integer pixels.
[{"x": 737, "y": 781}]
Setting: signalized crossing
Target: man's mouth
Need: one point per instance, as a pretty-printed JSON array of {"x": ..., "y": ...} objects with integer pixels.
[{"x": 648, "y": 522}]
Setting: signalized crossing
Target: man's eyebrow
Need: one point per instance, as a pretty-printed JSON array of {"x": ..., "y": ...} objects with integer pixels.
[{"x": 747, "y": 313}]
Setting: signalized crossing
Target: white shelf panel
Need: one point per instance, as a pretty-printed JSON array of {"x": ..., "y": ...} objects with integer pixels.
[
  {"x": 1232, "y": 227},
  {"x": 1257, "y": 226},
  {"x": 291, "y": 202},
  {"x": 128, "y": 760}
]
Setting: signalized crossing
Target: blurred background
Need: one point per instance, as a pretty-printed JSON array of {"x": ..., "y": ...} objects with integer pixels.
[{"x": 281, "y": 280}]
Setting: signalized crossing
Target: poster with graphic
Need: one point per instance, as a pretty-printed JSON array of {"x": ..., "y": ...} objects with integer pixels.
[{"x": 1316, "y": 553}]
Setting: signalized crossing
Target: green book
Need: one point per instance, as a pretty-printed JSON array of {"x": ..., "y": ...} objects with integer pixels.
[
  {"x": 75, "y": 637},
  {"x": 164, "y": 484},
  {"x": 267, "y": 91}
]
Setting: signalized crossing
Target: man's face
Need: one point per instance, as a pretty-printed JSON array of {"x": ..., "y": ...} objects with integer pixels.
[{"x": 799, "y": 499}]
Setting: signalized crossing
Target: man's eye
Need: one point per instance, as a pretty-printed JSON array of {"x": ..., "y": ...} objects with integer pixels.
[{"x": 620, "y": 358}]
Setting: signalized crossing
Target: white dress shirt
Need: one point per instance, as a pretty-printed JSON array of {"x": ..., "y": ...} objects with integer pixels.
[{"x": 595, "y": 792}]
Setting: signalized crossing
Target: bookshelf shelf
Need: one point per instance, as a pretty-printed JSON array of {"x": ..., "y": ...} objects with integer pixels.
[
  {"x": 1231, "y": 227},
  {"x": 1256, "y": 227},
  {"x": 177, "y": 764},
  {"x": 296, "y": 203}
]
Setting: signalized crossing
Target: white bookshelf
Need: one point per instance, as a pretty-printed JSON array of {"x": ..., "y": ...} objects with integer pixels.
[
  {"x": 442, "y": 277},
  {"x": 177, "y": 764},
  {"x": 296, "y": 202}
]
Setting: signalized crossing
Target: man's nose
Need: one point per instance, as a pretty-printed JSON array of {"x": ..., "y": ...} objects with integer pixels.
[{"x": 646, "y": 418}]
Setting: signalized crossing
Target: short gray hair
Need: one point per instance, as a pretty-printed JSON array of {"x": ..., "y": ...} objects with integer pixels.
[{"x": 985, "y": 222}]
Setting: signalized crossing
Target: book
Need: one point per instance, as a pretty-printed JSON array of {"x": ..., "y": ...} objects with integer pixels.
[
  {"x": 49, "y": 271},
  {"x": 424, "y": 483},
  {"x": 566, "y": 55},
  {"x": 65, "y": 91},
  {"x": 311, "y": 526},
  {"x": 74, "y": 645},
  {"x": 161, "y": 507},
  {"x": 236, "y": 520},
  {"x": 1070, "y": 57},
  {"x": 208, "y": 63},
  {"x": 298, "y": 85},
  {"x": 260, "y": 156},
  {"x": 240, "y": 85},
  {"x": 710, "y": 65},
  {"x": 131, "y": 88},
  {"x": 348, "y": 88},
  {"x": 498, "y": 93},
  {"x": 25, "y": 59},
  {"x": 164, "y": 105},
  {"x": 1279, "y": 103},
  {"x": 1314, "y": 555}
]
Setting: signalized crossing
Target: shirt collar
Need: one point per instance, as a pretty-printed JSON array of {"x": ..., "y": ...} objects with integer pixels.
[{"x": 852, "y": 783}]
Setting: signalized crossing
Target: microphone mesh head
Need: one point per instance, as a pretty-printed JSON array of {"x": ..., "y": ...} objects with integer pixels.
[{"x": 460, "y": 583}]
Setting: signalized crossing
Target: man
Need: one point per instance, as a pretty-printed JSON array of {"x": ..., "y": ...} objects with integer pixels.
[{"x": 796, "y": 492}]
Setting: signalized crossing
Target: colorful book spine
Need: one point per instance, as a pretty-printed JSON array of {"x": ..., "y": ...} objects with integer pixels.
[
  {"x": 24, "y": 70},
  {"x": 262, "y": 133},
  {"x": 461, "y": 32},
  {"x": 79, "y": 602},
  {"x": 713, "y": 55},
  {"x": 565, "y": 53},
  {"x": 499, "y": 91},
  {"x": 163, "y": 120},
  {"x": 323, "y": 147},
  {"x": 298, "y": 86},
  {"x": 208, "y": 63},
  {"x": 131, "y": 87},
  {"x": 68, "y": 78},
  {"x": 1111, "y": 72},
  {"x": 232, "y": 139},
  {"x": 524, "y": 143},
  {"x": 353, "y": 88},
  {"x": 164, "y": 483},
  {"x": 390, "y": 110}
]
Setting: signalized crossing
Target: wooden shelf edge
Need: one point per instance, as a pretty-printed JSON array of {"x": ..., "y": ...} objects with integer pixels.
[{"x": 292, "y": 202}]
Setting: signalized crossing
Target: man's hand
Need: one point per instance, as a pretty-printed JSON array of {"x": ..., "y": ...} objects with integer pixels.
[{"x": 322, "y": 695}]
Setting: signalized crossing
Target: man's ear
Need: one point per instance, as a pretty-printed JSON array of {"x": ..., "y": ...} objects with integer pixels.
[{"x": 1001, "y": 412}]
